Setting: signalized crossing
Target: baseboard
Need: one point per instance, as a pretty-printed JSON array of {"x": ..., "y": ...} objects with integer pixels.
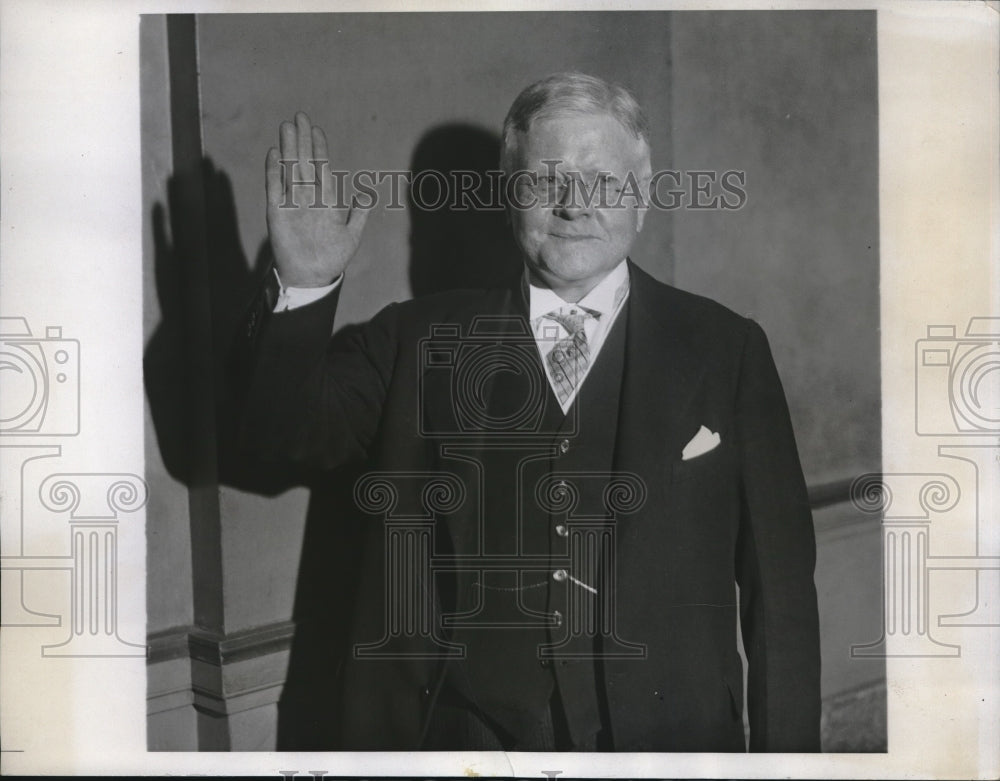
[
  {"x": 856, "y": 721},
  {"x": 217, "y": 675},
  {"x": 221, "y": 678}
]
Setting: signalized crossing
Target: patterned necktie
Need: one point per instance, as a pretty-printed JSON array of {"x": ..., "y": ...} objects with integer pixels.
[{"x": 570, "y": 356}]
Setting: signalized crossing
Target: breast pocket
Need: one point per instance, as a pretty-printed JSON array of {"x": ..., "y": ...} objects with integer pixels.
[{"x": 719, "y": 462}]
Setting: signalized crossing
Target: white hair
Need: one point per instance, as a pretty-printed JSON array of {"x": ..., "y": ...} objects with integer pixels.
[{"x": 570, "y": 93}]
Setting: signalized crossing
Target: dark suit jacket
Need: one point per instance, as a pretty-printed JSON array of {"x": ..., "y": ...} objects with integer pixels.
[{"x": 737, "y": 514}]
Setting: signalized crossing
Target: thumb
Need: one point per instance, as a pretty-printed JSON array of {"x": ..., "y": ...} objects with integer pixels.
[{"x": 358, "y": 216}]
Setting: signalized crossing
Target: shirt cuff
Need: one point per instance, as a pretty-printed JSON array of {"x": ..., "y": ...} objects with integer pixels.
[{"x": 294, "y": 297}]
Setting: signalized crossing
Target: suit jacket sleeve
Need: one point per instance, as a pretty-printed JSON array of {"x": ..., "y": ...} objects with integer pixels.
[
  {"x": 776, "y": 556},
  {"x": 311, "y": 399}
]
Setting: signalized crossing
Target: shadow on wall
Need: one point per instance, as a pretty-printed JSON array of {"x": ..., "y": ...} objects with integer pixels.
[
  {"x": 204, "y": 286},
  {"x": 457, "y": 247}
]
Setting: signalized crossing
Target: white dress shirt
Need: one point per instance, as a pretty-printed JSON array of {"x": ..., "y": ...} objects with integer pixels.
[
  {"x": 294, "y": 297},
  {"x": 604, "y": 303}
]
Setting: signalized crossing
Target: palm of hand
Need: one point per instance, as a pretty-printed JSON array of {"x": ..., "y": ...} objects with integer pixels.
[
  {"x": 312, "y": 242},
  {"x": 312, "y": 246}
]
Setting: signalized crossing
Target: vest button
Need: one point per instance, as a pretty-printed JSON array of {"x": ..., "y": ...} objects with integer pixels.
[
  {"x": 562, "y": 531},
  {"x": 545, "y": 663},
  {"x": 564, "y": 446},
  {"x": 560, "y": 575},
  {"x": 558, "y": 617}
]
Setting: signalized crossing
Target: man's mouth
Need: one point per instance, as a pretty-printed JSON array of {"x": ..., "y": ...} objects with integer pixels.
[{"x": 571, "y": 236}]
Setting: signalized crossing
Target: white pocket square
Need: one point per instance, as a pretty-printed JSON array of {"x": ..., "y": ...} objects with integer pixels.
[{"x": 702, "y": 442}]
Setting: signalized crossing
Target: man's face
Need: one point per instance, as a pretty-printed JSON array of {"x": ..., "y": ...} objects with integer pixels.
[{"x": 569, "y": 240}]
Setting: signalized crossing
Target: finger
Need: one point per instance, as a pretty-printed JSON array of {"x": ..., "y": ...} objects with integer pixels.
[
  {"x": 320, "y": 151},
  {"x": 289, "y": 153},
  {"x": 272, "y": 178},
  {"x": 286, "y": 141},
  {"x": 357, "y": 217},
  {"x": 303, "y": 133},
  {"x": 322, "y": 157}
]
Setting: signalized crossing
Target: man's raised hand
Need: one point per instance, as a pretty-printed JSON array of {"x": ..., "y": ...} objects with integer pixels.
[{"x": 314, "y": 234}]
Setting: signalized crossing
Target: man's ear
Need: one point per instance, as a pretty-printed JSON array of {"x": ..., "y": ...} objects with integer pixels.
[
  {"x": 643, "y": 205},
  {"x": 504, "y": 200},
  {"x": 644, "y": 165}
]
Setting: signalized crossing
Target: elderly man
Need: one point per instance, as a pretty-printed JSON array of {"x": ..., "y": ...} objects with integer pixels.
[{"x": 615, "y": 457}]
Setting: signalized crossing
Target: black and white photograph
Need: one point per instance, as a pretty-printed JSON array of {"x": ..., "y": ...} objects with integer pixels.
[
  {"x": 443, "y": 537},
  {"x": 540, "y": 392}
]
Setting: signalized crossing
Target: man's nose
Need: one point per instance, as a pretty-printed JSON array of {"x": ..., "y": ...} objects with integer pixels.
[{"x": 572, "y": 202}]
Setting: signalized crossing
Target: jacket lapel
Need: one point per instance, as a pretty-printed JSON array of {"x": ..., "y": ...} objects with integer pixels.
[{"x": 662, "y": 374}]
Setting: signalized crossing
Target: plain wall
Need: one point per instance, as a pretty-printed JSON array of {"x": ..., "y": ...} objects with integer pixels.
[
  {"x": 791, "y": 99},
  {"x": 168, "y": 562}
]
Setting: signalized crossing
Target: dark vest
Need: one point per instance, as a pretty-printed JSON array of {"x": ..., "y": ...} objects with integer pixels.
[{"x": 534, "y": 626}]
